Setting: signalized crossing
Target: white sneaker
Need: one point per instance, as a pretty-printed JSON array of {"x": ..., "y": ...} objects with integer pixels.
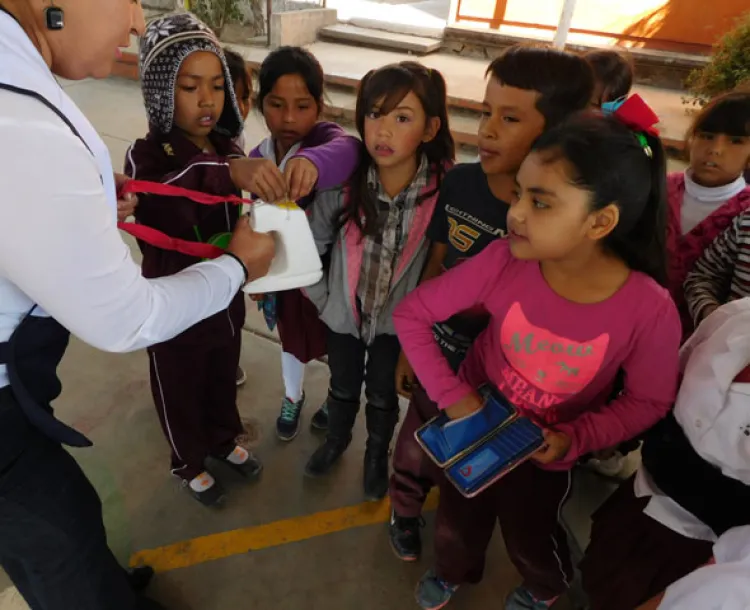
[{"x": 611, "y": 467}]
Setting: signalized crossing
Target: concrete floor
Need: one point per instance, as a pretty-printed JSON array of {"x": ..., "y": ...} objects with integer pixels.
[{"x": 107, "y": 397}]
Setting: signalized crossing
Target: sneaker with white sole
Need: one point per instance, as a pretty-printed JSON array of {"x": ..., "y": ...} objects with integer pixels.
[
  {"x": 434, "y": 593},
  {"x": 612, "y": 467},
  {"x": 405, "y": 536},
  {"x": 287, "y": 424},
  {"x": 522, "y": 599}
]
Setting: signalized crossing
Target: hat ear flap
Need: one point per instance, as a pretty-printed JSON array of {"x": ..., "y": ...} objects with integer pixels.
[{"x": 230, "y": 121}]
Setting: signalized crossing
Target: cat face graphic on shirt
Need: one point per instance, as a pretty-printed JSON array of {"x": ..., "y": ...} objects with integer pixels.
[{"x": 550, "y": 363}]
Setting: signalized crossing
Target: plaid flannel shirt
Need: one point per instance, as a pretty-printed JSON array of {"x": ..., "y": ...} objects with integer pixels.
[{"x": 383, "y": 249}]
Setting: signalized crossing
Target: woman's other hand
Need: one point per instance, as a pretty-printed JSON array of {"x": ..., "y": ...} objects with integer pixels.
[
  {"x": 128, "y": 203},
  {"x": 255, "y": 250}
]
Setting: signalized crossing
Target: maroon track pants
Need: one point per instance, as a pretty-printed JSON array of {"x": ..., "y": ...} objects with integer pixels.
[
  {"x": 527, "y": 503},
  {"x": 195, "y": 393},
  {"x": 414, "y": 474}
]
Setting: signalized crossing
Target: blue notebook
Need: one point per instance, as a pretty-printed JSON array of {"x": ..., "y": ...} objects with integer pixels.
[{"x": 477, "y": 450}]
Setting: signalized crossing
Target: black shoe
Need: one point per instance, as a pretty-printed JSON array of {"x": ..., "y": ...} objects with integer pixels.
[
  {"x": 319, "y": 421},
  {"x": 376, "y": 474},
  {"x": 211, "y": 497},
  {"x": 406, "y": 539},
  {"x": 140, "y": 578},
  {"x": 250, "y": 469},
  {"x": 326, "y": 456},
  {"x": 341, "y": 417},
  {"x": 380, "y": 426},
  {"x": 287, "y": 424}
]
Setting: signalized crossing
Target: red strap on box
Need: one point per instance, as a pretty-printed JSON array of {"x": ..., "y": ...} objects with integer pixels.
[{"x": 157, "y": 238}]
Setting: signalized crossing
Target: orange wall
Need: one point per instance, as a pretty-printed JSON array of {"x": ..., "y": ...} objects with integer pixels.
[{"x": 666, "y": 23}]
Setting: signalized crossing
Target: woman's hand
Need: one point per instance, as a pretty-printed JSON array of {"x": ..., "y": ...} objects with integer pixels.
[
  {"x": 260, "y": 177},
  {"x": 301, "y": 176},
  {"x": 556, "y": 446},
  {"x": 255, "y": 250},
  {"x": 125, "y": 206},
  {"x": 469, "y": 404},
  {"x": 405, "y": 378}
]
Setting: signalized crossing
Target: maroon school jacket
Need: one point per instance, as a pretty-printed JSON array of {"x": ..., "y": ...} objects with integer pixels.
[
  {"x": 173, "y": 159},
  {"x": 684, "y": 250}
]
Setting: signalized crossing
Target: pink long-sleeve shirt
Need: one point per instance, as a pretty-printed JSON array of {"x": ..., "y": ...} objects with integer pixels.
[{"x": 554, "y": 359}]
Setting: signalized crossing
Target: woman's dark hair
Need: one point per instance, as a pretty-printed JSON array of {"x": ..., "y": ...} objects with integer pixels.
[
  {"x": 611, "y": 162},
  {"x": 565, "y": 82},
  {"x": 238, "y": 71},
  {"x": 728, "y": 114},
  {"x": 383, "y": 89},
  {"x": 291, "y": 60},
  {"x": 613, "y": 71}
]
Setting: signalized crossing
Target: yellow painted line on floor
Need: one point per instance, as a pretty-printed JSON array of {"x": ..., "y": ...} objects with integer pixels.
[{"x": 240, "y": 541}]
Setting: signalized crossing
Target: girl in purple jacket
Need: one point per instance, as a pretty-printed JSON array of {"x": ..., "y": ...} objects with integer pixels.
[{"x": 312, "y": 155}]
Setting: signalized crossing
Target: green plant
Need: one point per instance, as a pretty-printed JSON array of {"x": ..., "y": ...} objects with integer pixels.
[
  {"x": 217, "y": 13},
  {"x": 729, "y": 66}
]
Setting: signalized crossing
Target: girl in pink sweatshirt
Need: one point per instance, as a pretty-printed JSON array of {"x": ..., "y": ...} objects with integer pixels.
[{"x": 576, "y": 296}]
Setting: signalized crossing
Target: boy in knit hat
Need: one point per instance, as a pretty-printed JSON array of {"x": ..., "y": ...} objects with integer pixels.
[{"x": 193, "y": 118}]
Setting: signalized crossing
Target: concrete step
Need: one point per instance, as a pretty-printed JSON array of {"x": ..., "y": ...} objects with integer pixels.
[
  {"x": 394, "y": 27},
  {"x": 345, "y": 65},
  {"x": 656, "y": 68},
  {"x": 367, "y": 37}
]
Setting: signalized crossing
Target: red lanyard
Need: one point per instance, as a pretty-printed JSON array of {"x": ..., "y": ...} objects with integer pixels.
[{"x": 161, "y": 240}]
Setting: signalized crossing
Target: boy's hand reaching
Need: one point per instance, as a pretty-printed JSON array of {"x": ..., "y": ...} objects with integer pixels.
[
  {"x": 260, "y": 177},
  {"x": 405, "y": 378},
  {"x": 556, "y": 446},
  {"x": 469, "y": 404},
  {"x": 301, "y": 176}
]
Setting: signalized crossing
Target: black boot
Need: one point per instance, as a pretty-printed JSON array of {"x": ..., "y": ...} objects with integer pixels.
[
  {"x": 140, "y": 577},
  {"x": 341, "y": 417},
  {"x": 380, "y": 426}
]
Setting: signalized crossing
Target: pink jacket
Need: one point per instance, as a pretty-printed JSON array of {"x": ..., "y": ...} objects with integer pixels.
[
  {"x": 684, "y": 250},
  {"x": 335, "y": 296}
]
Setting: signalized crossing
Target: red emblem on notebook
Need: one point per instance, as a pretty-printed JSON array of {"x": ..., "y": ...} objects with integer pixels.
[{"x": 466, "y": 471}]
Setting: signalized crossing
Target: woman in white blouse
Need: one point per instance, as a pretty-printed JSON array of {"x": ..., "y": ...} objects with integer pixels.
[{"x": 65, "y": 269}]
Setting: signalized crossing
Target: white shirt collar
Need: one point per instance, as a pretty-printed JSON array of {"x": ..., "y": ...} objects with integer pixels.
[
  {"x": 267, "y": 150},
  {"x": 713, "y": 194}
]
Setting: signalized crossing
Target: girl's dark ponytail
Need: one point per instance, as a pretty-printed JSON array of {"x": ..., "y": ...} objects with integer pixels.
[
  {"x": 644, "y": 246},
  {"x": 362, "y": 204}
]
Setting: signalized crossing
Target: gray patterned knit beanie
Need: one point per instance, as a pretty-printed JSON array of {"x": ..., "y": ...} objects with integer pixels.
[{"x": 166, "y": 43}]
